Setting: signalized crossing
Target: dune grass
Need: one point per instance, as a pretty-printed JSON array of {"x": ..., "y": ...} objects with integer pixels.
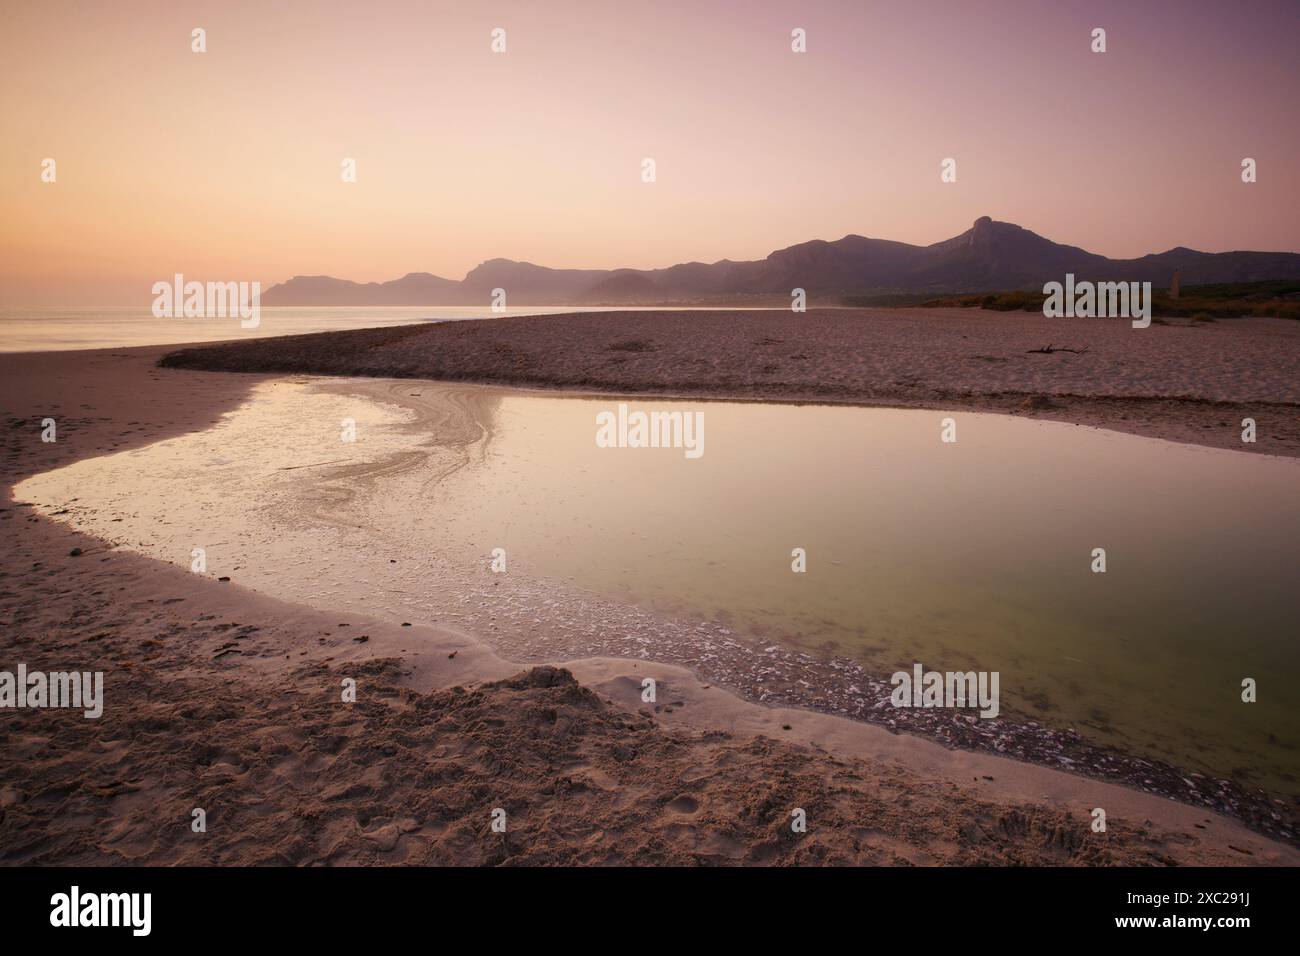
[{"x": 1200, "y": 303}]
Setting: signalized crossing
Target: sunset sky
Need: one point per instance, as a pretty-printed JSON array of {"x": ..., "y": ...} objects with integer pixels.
[{"x": 226, "y": 165}]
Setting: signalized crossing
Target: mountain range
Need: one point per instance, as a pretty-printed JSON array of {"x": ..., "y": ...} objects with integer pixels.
[{"x": 990, "y": 256}]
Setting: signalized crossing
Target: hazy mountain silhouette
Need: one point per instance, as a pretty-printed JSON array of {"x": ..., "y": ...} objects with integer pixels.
[{"x": 989, "y": 256}]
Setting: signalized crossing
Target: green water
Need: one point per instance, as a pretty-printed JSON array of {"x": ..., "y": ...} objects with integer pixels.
[
  {"x": 970, "y": 555},
  {"x": 974, "y": 555}
]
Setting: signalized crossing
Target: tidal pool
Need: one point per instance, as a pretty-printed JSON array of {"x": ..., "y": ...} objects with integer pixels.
[{"x": 971, "y": 555}]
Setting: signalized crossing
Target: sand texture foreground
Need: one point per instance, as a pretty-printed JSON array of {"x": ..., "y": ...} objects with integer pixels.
[
  {"x": 220, "y": 698},
  {"x": 1186, "y": 381}
]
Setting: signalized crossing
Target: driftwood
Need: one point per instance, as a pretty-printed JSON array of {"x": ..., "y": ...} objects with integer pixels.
[{"x": 1049, "y": 350}]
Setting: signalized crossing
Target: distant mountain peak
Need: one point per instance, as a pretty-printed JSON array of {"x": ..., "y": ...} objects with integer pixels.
[{"x": 989, "y": 256}]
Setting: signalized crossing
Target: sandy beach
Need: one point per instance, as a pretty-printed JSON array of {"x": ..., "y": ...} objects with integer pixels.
[
  {"x": 620, "y": 436},
  {"x": 223, "y": 698},
  {"x": 1185, "y": 381}
]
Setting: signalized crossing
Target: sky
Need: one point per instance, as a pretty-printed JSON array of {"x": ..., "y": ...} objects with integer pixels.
[{"x": 227, "y": 165}]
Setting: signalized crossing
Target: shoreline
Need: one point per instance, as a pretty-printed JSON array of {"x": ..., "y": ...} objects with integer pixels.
[
  {"x": 922, "y": 764},
  {"x": 762, "y": 670},
  {"x": 774, "y": 674}
]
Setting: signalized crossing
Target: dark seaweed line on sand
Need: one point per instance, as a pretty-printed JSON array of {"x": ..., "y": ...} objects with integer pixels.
[{"x": 844, "y": 688}]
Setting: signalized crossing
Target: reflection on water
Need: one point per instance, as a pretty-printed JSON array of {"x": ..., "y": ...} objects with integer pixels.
[
  {"x": 969, "y": 555},
  {"x": 973, "y": 555}
]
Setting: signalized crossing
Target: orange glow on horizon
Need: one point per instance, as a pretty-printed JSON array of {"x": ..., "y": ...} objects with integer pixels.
[{"x": 226, "y": 164}]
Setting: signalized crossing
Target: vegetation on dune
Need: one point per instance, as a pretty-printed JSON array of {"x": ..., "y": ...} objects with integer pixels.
[{"x": 1201, "y": 303}]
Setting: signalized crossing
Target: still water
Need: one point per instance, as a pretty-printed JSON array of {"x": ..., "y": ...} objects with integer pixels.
[{"x": 976, "y": 554}]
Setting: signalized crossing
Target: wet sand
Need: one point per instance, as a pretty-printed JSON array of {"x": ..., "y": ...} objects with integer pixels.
[
  {"x": 1186, "y": 381},
  {"x": 221, "y": 698}
]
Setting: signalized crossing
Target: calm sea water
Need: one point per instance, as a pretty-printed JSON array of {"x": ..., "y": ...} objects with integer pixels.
[{"x": 52, "y": 330}]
